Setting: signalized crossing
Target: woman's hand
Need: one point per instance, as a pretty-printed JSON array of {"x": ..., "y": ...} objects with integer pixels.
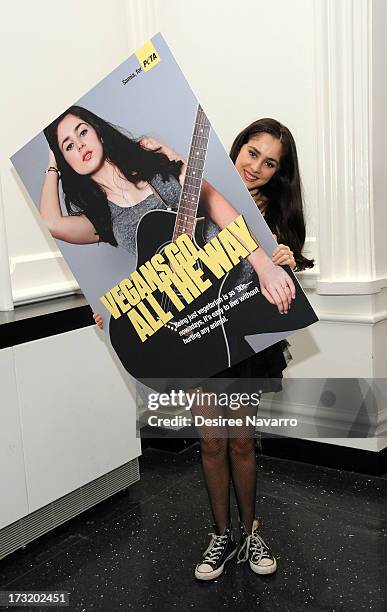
[
  {"x": 51, "y": 159},
  {"x": 283, "y": 256},
  {"x": 75, "y": 229},
  {"x": 98, "y": 319},
  {"x": 276, "y": 286}
]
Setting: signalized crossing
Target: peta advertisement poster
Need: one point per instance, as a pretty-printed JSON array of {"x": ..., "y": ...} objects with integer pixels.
[{"x": 156, "y": 225}]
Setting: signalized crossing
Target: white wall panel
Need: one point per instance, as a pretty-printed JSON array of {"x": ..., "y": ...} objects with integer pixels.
[
  {"x": 379, "y": 135},
  {"x": 12, "y": 476},
  {"x": 249, "y": 60},
  {"x": 77, "y": 413},
  {"x": 52, "y": 53}
]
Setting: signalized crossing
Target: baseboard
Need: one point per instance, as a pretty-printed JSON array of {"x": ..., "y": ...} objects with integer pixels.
[{"x": 28, "y": 528}]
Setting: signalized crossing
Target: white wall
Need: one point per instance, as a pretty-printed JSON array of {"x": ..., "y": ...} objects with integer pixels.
[
  {"x": 52, "y": 53},
  {"x": 250, "y": 60}
]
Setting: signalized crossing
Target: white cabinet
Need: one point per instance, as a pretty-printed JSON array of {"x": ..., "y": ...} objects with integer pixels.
[
  {"x": 12, "y": 475},
  {"x": 77, "y": 419}
]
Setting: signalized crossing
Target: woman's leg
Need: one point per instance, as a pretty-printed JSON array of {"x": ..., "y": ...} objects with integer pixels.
[
  {"x": 222, "y": 546},
  {"x": 243, "y": 464},
  {"x": 244, "y": 476},
  {"x": 215, "y": 464}
]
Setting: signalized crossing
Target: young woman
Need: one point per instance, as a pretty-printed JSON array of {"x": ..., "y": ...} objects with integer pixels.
[{"x": 265, "y": 156}]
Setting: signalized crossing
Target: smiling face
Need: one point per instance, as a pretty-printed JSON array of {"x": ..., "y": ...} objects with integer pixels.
[
  {"x": 80, "y": 145},
  {"x": 258, "y": 160}
]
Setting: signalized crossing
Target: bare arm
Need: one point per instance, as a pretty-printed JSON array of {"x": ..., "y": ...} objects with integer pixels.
[
  {"x": 77, "y": 229},
  {"x": 276, "y": 285}
]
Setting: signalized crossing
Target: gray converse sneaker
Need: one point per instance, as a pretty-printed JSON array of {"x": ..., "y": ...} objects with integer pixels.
[
  {"x": 221, "y": 549},
  {"x": 254, "y": 549}
]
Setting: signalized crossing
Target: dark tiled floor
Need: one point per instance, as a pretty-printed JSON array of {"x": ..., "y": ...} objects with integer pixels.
[{"x": 137, "y": 551}]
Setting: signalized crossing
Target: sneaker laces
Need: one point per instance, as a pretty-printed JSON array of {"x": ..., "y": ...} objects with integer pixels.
[
  {"x": 241, "y": 558},
  {"x": 259, "y": 548},
  {"x": 255, "y": 544},
  {"x": 215, "y": 548}
]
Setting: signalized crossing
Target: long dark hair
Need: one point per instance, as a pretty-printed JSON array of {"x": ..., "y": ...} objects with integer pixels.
[
  {"x": 284, "y": 213},
  {"x": 81, "y": 193}
]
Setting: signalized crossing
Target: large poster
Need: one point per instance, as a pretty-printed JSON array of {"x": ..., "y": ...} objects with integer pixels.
[{"x": 156, "y": 225}]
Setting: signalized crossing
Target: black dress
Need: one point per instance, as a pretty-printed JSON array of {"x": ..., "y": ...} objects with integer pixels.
[{"x": 267, "y": 366}]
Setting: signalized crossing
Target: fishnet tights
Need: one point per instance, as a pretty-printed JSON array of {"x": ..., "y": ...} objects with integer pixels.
[{"x": 228, "y": 455}]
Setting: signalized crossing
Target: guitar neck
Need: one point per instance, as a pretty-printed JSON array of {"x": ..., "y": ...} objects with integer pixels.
[{"x": 190, "y": 193}]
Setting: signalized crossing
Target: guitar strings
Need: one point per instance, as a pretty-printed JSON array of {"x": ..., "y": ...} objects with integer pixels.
[{"x": 191, "y": 191}]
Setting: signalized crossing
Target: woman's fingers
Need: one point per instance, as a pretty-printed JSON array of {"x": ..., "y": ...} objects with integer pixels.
[
  {"x": 281, "y": 251},
  {"x": 267, "y": 295},
  {"x": 283, "y": 256},
  {"x": 282, "y": 303},
  {"x": 98, "y": 319},
  {"x": 280, "y": 259},
  {"x": 288, "y": 295},
  {"x": 51, "y": 158},
  {"x": 281, "y": 247},
  {"x": 281, "y": 291},
  {"x": 283, "y": 260},
  {"x": 278, "y": 297},
  {"x": 291, "y": 286}
]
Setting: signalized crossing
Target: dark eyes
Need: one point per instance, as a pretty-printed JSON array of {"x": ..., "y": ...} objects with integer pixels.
[
  {"x": 253, "y": 154},
  {"x": 70, "y": 146}
]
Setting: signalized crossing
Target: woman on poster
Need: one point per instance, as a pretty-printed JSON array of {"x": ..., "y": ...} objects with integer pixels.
[{"x": 110, "y": 181}]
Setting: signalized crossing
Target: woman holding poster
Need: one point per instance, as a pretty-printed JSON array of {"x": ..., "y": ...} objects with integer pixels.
[{"x": 265, "y": 156}]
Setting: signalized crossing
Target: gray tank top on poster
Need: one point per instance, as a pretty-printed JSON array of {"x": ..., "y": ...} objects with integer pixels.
[{"x": 125, "y": 220}]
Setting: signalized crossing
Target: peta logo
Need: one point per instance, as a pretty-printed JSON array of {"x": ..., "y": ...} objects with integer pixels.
[
  {"x": 147, "y": 56},
  {"x": 152, "y": 58}
]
